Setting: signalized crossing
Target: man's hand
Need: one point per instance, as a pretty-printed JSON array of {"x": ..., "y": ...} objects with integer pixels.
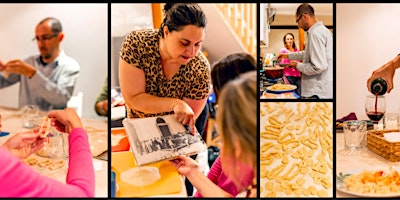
[
  {"x": 282, "y": 56},
  {"x": 293, "y": 64},
  {"x": 19, "y": 67}
]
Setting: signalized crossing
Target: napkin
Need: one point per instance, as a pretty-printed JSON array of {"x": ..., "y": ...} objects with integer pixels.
[
  {"x": 350, "y": 116},
  {"x": 392, "y": 136}
]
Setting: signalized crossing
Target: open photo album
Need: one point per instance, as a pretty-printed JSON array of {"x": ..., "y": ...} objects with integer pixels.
[{"x": 154, "y": 139}]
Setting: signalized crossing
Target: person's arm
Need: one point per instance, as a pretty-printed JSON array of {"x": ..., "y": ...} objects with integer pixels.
[
  {"x": 101, "y": 104},
  {"x": 133, "y": 89},
  {"x": 56, "y": 90},
  {"x": 24, "y": 144},
  {"x": 215, "y": 170},
  {"x": 316, "y": 48},
  {"x": 20, "y": 67},
  {"x": 20, "y": 180},
  {"x": 9, "y": 79},
  {"x": 188, "y": 167},
  {"x": 386, "y": 72}
]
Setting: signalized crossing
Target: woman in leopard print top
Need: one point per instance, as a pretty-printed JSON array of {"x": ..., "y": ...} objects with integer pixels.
[{"x": 163, "y": 71}]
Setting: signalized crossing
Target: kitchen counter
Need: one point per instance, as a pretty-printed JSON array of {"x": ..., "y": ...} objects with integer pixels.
[
  {"x": 264, "y": 83},
  {"x": 11, "y": 122}
]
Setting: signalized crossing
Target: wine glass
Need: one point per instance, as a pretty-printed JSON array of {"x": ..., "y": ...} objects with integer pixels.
[{"x": 375, "y": 107}]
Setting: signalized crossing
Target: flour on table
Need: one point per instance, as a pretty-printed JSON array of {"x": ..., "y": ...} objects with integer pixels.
[{"x": 141, "y": 176}]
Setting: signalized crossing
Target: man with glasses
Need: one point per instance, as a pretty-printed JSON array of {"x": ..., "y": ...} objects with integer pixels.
[
  {"x": 317, "y": 57},
  {"x": 48, "y": 79}
]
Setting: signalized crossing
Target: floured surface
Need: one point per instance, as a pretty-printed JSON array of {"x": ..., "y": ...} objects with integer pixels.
[
  {"x": 141, "y": 176},
  {"x": 296, "y": 149},
  {"x": 168, "y": 183}
]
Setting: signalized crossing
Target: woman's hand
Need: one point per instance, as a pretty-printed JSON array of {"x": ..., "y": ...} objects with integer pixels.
[
  {"x": 65, "y": 120},
  {"x": 24, "y": 144},
  {"x": 185, "y": 165},
  {"x": 184, "y": 114},
  {"x": 2, "y": 65}
]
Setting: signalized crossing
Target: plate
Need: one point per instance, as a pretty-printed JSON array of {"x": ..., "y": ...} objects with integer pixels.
[
  {"x": 341, "y": 187},
  {"x": 288, "y": 88},
  {"x": 284, "y": 64}
]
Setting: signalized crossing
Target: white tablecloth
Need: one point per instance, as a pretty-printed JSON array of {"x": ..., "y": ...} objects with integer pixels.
[{"x": 366, "y": 159}]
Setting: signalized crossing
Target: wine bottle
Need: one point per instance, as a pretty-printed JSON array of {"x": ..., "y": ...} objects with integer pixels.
[
  {"x": 274, "y": 61},
  {"x": 379, "y": 86}
]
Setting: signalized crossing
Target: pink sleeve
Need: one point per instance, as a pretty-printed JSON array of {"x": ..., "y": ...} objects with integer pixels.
[
  {"x": 283, "y": 50},
  {"x": 213, "y": 174},
  {"x": 20, "y": 180},
  {"x": 215, "y": 171},
  {"x": 285, "y": 60}
]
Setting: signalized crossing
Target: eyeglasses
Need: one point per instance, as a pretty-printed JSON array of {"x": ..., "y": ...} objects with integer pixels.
[
  {"x": 44, "y": 37},
  {"x": 297, "y": 20}
]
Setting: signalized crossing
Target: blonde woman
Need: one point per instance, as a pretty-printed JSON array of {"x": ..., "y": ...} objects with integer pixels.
[{"x": 236, "y": 122}]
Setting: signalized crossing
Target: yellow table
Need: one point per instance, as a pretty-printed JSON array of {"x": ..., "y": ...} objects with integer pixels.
[{"x": 170, "y": 184}]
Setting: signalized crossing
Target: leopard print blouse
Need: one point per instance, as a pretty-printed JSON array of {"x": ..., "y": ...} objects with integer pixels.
[{"x": 141, "y": 49}]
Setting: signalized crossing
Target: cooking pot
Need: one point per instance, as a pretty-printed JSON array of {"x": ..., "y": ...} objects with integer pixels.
[{"x": 273, "y": 72}]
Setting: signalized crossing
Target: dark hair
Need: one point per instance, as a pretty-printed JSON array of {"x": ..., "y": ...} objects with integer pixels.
[
  {"x": 55, "y": 24},
  {"x": 229, "y": 68},
  {"x": 305, "y": 8},
  {"x": 178, "y": 15},
  {"x": 284, "y": 40}
]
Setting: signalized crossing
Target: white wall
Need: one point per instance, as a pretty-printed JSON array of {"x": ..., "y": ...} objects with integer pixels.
[
  {"x": 285, "y": 16},
  {"x": 86, "y": 39},
  {"x": 365, "y": 40},
  {"x": 124, "y": 19}
]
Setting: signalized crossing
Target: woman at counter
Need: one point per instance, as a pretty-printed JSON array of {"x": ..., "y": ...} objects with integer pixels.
[
  {"x": 292, "y": 74},
  {"x": 238, "y": 127},
  {"x": 19, "y": 180}
]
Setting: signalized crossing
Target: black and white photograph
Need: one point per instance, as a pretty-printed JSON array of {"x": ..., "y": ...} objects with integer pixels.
[{"x": 154, "y": 139}]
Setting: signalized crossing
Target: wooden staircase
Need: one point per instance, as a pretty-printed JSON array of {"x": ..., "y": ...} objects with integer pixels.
[{"x": 242, "y": 17}]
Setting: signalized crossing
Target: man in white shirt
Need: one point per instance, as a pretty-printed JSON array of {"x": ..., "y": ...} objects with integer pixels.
[
  {"x": 46, "y": 80},
  {"x": 317, "y": 58}
]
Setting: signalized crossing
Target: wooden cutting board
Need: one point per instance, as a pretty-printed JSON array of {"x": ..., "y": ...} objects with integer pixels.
[{"x": 169, "y": 182}]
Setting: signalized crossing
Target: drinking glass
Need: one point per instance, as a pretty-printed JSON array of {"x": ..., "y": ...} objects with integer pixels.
[
  {"x": 29, "y": 115},
  {"x": 355, "y": 132},
  {"x": 375, "y": 107}
]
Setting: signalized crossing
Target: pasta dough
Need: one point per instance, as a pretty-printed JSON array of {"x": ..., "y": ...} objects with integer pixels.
[
  {"x": 296, "y": 148},
  {"x": 141, "y": 176},
  {"x": 46, "y": 122}
]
